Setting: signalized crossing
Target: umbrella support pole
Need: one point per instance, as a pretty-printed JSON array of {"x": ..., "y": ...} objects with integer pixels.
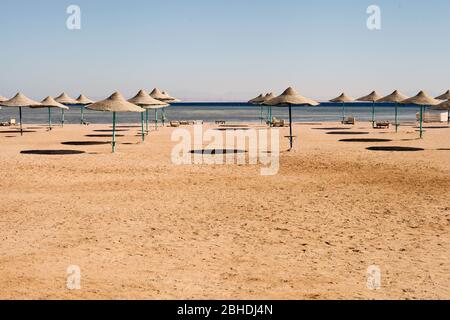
[
  {"x": 20, "y": 120},
  {"x": 262, "y": 116},
  {"x": 373, "y": 114},
  {"x": 62, "y": 117},
  {"x": 343, "y": 112},
  {"x": 146, "y": 121},
  {"x": 163, "y": 119},
  {"x": 396, "y": 118},
  {"x": 156, "y": 119},
  {"x": 421, "y": 122},
  {"x": 49, "y": 118},
  {"x": 114, "y": 134},
  {"x": 290, "y": 128},
  {"x": 448, "y": 117},
  {"x": 82, "y": 115},
  {"x": 142, "y": 127}
]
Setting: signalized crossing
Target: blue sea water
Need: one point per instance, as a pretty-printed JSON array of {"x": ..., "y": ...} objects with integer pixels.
[{"x": 229, "y": 112}]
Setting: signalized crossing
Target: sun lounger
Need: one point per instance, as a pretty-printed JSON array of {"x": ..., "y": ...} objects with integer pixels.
[
  {"x": 382, "y": 125},
  {"x": 175, "y": 124},
  {"x": 221, "y": 122},
  {"x": 277, "y": 123},
  {"x": 349, "y": 120}
]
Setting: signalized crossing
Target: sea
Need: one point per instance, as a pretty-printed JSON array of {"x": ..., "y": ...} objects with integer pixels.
[{"x": 230, "y": 112}]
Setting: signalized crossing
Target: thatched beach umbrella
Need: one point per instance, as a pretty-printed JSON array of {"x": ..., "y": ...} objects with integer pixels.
[
  {"x": 115, "y": 103},
  {"x": 164, "y": 97},
  {"x": 144, "y": 100},
  {"x": 20, "y": 101},
  {"x": 267, "y": 97},
  {"x": 343, "y": 98},
  {"x": 445, "y": 96},
  {"x": 2, "y": 98},
  {"x": 444, "y": 106},
  {"x": 395, "y": 97},
  {"x": 169, "y": 99},
  {"x": 259, "y": 100},
  {"x": 83, "y": 101},
  {"x": 50, "y": 103},
  {"x": 289, "y": 98},
  {"x": 421, "y": 99},
  {"x": 372, "y": 97},
  {"x": 64, "y": 99}
]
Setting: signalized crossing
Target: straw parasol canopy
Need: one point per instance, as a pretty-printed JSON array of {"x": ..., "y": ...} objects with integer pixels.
[
  {"x": 144, "y": 100},
  {"x": 49, "y": 102},
  {"x": 65, "y": 99},
  {"x": 342, "y": 99},
  {"x": 372, "y": 97},
  {"x": 2, "y": 98},
  {"x": 115, "y": 103},
  {"x": 394, "y": 97},
  {"x": 445, "y": 96},
  {"x": 169, "y": 98},
  {"x": 423, "y": 99},
  {"x": 20, "y": 101},
  {"x": 443, "y": 106},
  {"x": 83, "y": 100},
  {"x": 157, "y": 94},
  {"x": 289, "y": 98},
  {"x": 257, "y": 100}
]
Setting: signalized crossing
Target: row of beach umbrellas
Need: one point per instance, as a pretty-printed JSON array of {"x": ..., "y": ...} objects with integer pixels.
[
  {"x": 291, "y": 97},
  {"x": 116, "y": 103}
]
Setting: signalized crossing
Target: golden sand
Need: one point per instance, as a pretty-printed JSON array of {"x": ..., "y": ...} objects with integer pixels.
[{"x": 140, "y": 227}]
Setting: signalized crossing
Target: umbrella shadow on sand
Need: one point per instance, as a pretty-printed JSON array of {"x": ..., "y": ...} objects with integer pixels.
[
  {"x": 85, "y": 143},
  {"x": 395, "y": 149},
  {"x": 365, "y": 140},
  {"x": 52, "y": 152},
  {"x": 217, "y": 151},
  {"x": 103, "y": 135},
  {"x": 347, "y": 133}
]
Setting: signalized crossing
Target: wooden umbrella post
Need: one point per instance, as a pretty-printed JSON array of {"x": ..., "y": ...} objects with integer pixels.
[
  {"x": 114, "y": 133},
  {"x": 396, "y": 117},
  {"x": 62, "y": 117},
  {"x": 421, "y": 121},
  {"x": 163, "y": 119},
  {"x": 373, "y": 114},
  {"x": 156, "y": 119},
  {"x": 262, "y": 117},
  {"x": 82, "y": 115},
  {"x": 146, "y": 121},
  {"x": 49, "y": 118},
  {"x": 142, "y": 126},
  {"x": 290, "y": 127},
  {"x": 20, "y": 120},
  {"x": 343, "y": 112}
]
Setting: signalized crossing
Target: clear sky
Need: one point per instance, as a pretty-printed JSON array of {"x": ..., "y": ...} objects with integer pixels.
[{"x": 223, "y": 49}]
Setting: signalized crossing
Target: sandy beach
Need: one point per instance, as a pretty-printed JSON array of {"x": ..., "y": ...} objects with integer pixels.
[{"x": 140, "y": 227}]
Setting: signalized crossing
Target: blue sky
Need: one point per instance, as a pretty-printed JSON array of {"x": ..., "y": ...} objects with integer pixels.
[{"x": 223, "y": 49}]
